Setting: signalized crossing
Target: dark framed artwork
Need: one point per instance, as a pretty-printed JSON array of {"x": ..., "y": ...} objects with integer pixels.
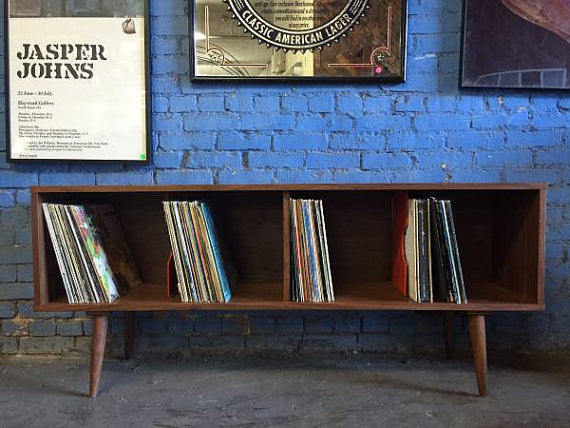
[
  {"x": 520, "y": 44},
  {"x": 77, "y": 80},
  {"x": 345, "y": 40}
]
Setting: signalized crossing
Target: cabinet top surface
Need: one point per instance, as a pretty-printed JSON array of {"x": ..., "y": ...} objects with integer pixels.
[{"x": 293, "y": 187}]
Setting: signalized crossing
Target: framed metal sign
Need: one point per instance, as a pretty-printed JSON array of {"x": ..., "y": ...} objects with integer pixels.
[
  {"x": 516, "y": 44},
  {"x": 77, "y": 86},
  {"x": 347, "y": 40}
]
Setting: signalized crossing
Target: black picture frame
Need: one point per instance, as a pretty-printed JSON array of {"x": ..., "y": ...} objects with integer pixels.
[
  {"x": 147, "y": 102},
  {"x": 525, "y": 34},
  {"x": 373, "y": 79}
]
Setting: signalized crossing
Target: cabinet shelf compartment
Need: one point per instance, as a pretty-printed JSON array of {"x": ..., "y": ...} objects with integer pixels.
[{"x": 249, "y": 225}]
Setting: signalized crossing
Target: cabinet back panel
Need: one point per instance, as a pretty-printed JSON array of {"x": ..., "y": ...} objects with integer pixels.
[{"x": 359, "y": 235}]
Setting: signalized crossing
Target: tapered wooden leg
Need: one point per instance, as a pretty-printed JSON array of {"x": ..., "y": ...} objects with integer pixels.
[
  {"x": 449, "y": 333},
  {"x": 98, "y": 339},
  {"x": 479, "y": 350},
  {"x": 129, "y": 328}
]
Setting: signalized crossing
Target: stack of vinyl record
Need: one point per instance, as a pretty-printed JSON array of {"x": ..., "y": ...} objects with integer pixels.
[
  {"x": 311, "y": 279},
  {"x": 432, "y": 253},
  {"x": 95, "y": 263},
  {"x": 197, "y": 254}
]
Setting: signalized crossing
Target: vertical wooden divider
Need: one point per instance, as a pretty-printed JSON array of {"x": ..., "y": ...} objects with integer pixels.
[
  {"x": 41, "y": 292},
  {"x": 286, "y": 247}
]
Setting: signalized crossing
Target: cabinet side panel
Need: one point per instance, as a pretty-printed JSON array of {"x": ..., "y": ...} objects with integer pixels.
[
  {"x": 541, "y": 245},
  {"x": 286, "y": 247}
]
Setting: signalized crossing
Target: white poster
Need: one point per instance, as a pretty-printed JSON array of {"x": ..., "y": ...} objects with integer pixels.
[{"x": 77, "y": 88}]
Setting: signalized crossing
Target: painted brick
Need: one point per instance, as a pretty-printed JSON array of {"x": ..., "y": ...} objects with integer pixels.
[
  {"x": 383, "y": 122},
  {"x": 332, "y": 160},
  {"x": 315, "y": 324},
  {"x": 303, "y": 176},
  {"x": 299, "y": 142},
  {"x": 239, "y": 102},
  {"x": 274, "y": 343},
  {"x": 534, "y": 139},
  {"x": 357, "y": 176},
  {"x": 167, "y": 159},
  {"x": 210, "y": 325},
  {"x": 296, "y": 103},
  {"x": 515, "y": 102},
  {"x": 6, "y": 199},
  {"x": 499, "y": 159},
  {"x": 328, "y": 341},
  {"x": 8, "y": 345},
  {"x": 266, "y": 103},
  {"x": 23, "y": 197},
  {"x": 276, "y": 160},
  {"x": 132, "y": 178},
  {"x": 244, "y": 142},
  {"x": 70, "y": 327},
  {"x": 15, "y": 328},
  {"x": 186, "y": 103},
  {"x": 12, "y": 179},
  {"x": 321, "y": 103},
  {"x": 550, "y": 120},
  {"x": 441, "y": 103},
  {"x": 213, "y": 103},
  {"x": 164, "y": 46},
  {"x": 339, "y": 123},
  {"x": 201, "y": 159},
  {"x": 375, "y": 324},
  {"x": 564, "y": 104},
  {"x": 172, "y": 26},
  {"x": 153, "y": 326},
  {"x": 210, "y": 122},
  {"x": 221, "y": 343},
  {"x": 245, "y": 177},
  {"x": 410, "y": 103},
  {"x": 184, "y": 177},
  {"x": 8, "y": 273},
  {"x": 259, "y": 121},
  {"x": 16, "y": 217},
  {"x": 545, "y": 103},
  {"x": 42, "y": 328},
  {"x": 411, "y": 140},
  {"x": 290, "y": 324},
  {"x": 26, "y": 310},
  {"x": 7, "y": 309},
  {"x": 431, "y": 122},
  {"x": 351, "y": 104},
  {"x": 347, "y": 325},
  {"x": 188, "y": 141},
  {"x": 16, "y": 291},
  {"x": 375, "y": 105},
  {"x": 262, "y": 324},
  {"x": 475, "y": 140},
  {"x": 46, "y": 345},
  {"x": 234, "y": 325},
  {"x": 553, "y": 157},
  {"x": 310, "y": 123},
  {"x": 385, "y": 161},
  {"x": 167, "y": 7},
  {"x": 167, "y": 122}
]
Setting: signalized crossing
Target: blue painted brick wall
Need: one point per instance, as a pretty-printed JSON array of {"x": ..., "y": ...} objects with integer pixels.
[{"x": 422, "y": 131}]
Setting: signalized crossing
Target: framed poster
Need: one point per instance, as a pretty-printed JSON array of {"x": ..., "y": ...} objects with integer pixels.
[
  {"x": 345, "y": 40},
  {"x": 516, "y": 44},
  {"x": 77, "y": 86}
]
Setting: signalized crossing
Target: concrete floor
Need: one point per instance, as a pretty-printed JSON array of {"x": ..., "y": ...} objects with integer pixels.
[{"x": 278, "y": 390}]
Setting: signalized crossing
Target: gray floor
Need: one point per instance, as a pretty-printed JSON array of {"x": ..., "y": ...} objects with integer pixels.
[{"x": 277, "y": 390}]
